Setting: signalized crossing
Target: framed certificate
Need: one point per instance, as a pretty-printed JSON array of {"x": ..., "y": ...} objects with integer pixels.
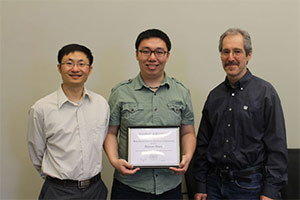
[{"x": 154, "y": 147}]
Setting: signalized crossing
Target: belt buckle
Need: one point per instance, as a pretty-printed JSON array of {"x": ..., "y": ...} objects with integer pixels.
[
  {"x": 83, "y": 184},
  {"x": 224, "y": 173}
]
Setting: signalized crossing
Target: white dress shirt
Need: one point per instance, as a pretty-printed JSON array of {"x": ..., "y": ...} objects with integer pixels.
[{"x": 65, "y": 139}]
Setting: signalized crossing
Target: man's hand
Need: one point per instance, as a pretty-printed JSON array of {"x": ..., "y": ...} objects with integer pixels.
[
  {"x": 183, "y": 166},
  {"x": 111, "y": 149},
  {"x": 264, "y": 198},
  {"x": 200, "y": 196},
  {"x": 188, "y": 139},
  {"x": 124, "y": 167}
]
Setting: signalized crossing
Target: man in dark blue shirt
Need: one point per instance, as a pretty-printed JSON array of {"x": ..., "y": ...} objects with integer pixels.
[{"x": 241, "y": 144}]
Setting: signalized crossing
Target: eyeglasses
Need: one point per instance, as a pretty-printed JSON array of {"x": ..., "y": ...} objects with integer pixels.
[
  {"x": 158, "y": 52},
  {"x": 235, "y": 52},
  {"x": 80, "y": 65}
]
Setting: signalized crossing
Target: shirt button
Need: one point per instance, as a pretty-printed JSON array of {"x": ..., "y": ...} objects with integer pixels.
[
  {"x": 154, "y": 94},
  {"x": 228, "y": 125},
  {"x": 224, "y": 156},
  {"x": 227, "y": 140},
  {"x": 155, "y": 109},
  {"x": 242, "y": 88},
  {"x": 227, "y": 167},
  {"x": 232, "y": 94},
  {"x": 132, "y": 109},
  {"x": 230, "y": 109}
]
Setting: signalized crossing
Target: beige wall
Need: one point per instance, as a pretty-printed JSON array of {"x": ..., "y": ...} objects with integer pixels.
[{"x": 33, "y": 31}]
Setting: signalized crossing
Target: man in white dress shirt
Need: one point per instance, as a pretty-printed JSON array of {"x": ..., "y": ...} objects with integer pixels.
[{"x": 66, "y": 130}]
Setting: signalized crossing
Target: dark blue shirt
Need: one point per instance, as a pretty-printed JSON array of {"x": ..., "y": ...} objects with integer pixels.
[{"x": 243, "y": 127}]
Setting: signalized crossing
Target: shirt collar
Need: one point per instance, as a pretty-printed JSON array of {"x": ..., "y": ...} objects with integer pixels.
[
  {"x": 62, "y": 98},
  {"x": 139, "y": 82},
  {"x": 242, "y": 82}
]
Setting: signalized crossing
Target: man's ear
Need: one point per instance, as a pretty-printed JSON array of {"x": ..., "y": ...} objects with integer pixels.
[
  {"x": 249, "y": 55},
  {"x": 90, "y": 69},
  {"x": 59, "y": 68},
  {"x": 136, "y": 54}
]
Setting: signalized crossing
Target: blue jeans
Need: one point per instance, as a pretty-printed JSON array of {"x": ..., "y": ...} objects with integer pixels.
[
  {"x": 222, "y": 188},
  {"x": 122, "y": 191}
]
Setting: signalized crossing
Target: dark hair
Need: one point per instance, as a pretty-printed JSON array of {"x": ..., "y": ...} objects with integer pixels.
[
  {"x": 153, "y": 33},
  {"x": 70, "y": 48},
  {"x": 235, "y": 31}
]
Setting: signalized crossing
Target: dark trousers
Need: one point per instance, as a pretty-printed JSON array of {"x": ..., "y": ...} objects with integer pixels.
[
  {"x": 224, "y": 188},
  {"x": 52, "y": 190},
  {"x": 122, "y": 191}
]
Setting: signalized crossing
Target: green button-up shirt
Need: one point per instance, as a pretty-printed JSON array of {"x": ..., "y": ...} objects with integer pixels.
[{"x": 133, "y": 103}]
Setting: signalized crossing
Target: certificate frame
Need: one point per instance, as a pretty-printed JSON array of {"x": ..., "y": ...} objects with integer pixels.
[{"x": 154, "y": 146}]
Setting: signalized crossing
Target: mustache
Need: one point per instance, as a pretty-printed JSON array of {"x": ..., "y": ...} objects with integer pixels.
[{"x": 232, "y": 63}]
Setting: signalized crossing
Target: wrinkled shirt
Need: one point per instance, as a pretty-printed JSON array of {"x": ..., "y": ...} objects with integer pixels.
[
  {"x": 243, "y": 127},
  {"x": 65, "y": 139},
  {"x": 133, "y": 103}
]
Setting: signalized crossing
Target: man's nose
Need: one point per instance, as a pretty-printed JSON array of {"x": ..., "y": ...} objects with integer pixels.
[
  {"x": 75, "y": 67},
  {"x": 231, "y": 56},
  {"x": 152, "y": 56}
]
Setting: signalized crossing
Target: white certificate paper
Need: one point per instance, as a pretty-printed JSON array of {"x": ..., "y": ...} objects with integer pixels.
[{"x": 154, "y": 146}]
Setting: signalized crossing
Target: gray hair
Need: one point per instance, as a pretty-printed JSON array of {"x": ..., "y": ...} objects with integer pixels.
[{"x": 235, "y": 31}]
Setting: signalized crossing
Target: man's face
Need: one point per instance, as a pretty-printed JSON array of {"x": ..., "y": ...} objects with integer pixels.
[
  {"x": 74, "y": 69},
  {"x": 152, "y": 66},
  {"x": 233, "y": 56}
]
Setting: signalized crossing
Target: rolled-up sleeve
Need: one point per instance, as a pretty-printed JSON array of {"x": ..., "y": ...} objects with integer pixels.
[{"x": 188, "y": 114}]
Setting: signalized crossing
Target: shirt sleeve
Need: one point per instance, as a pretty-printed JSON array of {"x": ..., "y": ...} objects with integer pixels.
[
  {"x": 201, "y": 164},
  {"x": 188, "y": 114},
  {"x": 114, "y": 105},
  {"x": 36, "y": 140},
  {"x": 107, "y": 116},
  {"x": 276, "y": 147}
]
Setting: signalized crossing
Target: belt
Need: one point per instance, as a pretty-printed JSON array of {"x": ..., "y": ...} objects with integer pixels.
[
  {"x": 237, "y": 175},
  {"x": 72, "y": 183}
]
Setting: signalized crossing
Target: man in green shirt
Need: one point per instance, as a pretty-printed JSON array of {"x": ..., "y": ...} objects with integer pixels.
[{"x": 150, "y": 99}]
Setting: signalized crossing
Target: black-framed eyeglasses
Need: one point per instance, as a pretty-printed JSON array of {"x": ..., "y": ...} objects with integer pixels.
[
  {"x": 157, "y": 52},
  {"x": 80, "y": 65}
]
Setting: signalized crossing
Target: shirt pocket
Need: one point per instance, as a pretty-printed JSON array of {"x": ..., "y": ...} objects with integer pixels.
[
  {"x": 253, "y": 114},
  {"x": 175, "y": 110},
  {"x": 131, "y": 113}
]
